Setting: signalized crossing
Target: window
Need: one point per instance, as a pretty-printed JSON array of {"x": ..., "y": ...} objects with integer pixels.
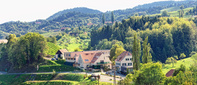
[
  {"x": 86, "y": 60},
  {"x": 130, "y": 58},
  {"x": 117, "y": 63},
  {"x": 74, "y": 58},
  {"x": 129, "y": 64},
  {"x": 123, "y": 64},
  {"x": 127, "y": 59}
]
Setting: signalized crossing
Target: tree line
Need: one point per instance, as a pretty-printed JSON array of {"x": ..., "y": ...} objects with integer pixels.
[
  {"x": 25, "y": 50},
  {"x": 167, "y": 36}
]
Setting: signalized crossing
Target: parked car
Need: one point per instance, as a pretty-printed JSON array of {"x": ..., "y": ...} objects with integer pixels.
[{"x": 53, "y": 59}]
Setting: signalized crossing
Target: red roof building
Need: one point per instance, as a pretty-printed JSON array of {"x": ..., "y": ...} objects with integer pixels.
[{"x": 170, "y": 73}]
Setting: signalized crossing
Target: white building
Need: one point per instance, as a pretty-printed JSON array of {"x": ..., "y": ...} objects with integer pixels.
[{"x": 124, "y": 62}]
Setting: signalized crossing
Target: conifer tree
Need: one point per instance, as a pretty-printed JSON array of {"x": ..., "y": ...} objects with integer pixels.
[
  {"x": 136, "y": 52},
  {"x": 112, "y": 17},
  {"x": 146, "y": 57},
  {"x": 103, "y": 19}
]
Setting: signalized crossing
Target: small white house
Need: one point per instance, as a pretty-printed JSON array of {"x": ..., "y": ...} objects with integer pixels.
[
  {"x": 60, "y": 53},
  {"x": 124, "y": 62},
  {"x": 99, "y": 59}
]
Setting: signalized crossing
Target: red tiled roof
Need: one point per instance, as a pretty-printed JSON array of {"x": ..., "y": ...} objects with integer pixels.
[
  {"x": 87, "y": 57},
  {"x": 96, "y": 57},
  {"x": 122, "y": 55},
  {"x": 170, "y": 73},
  {"x": 84, "y": 54},
  {"x": 63, "y": 50}
]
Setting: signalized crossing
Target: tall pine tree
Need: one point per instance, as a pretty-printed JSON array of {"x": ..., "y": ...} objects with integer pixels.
[
  {"x": 146, "y": 57},
  {"x": 112, "y": 17},
  {"x": 103, "y": 19},
  {"x": 136, "y": 52}
]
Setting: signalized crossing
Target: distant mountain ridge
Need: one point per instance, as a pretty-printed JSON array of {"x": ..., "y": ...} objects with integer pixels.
[
  {"x": 78, "y": 9},
  {"x": 85, "y": 17}
]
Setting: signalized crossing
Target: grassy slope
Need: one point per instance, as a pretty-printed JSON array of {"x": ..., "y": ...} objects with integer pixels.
[
  {"x": 170, "y": 9},
  {"x": 176, "y": 14},
  {"x": 187, "y": 62},
  {"x": 58, "y": 66},
  {"x": 71, "y": 43},
  {"x": 65, "y": 79},
  {"x": 173, "y": 11},
  {"x": 52, "y": 48}
]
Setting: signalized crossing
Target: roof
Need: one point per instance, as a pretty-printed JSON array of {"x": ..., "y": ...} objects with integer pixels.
[
  {"x": 87, "y": 57},
  {"x": 170, "y": 73},
  {"x": 3, "y": 40},
  {"x": 122, "y": 56},
  {"x": 63, "y": 50},
  {"x": 96, "y": 56},
  {"x": 74, "y": 54}
]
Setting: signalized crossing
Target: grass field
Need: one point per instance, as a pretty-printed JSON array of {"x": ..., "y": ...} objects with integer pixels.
[
  {"x": 170, "y": 9},
  {"x": 173, "y": 12},
  {"x": 58, "y": 66},
  {"x": 66, "y": 79},
  {"x": 176, "y": 13},
  {"x": 52, "y": 48},
  {"x": 187, "y": 62},
  {"x": 71, "y": 43}
]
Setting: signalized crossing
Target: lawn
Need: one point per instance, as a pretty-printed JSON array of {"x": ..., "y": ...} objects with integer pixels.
[
  {"x": 57, "y": 65},
  {"x": 187, "y": 62}
]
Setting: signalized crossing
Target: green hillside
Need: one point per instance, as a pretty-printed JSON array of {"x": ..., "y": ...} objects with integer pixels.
[
  {"x": 170, "y": 9},
  {"x": 71, "y": 43},
  {"x": 52, "y": 48},
  {"x": 187, "y": 62},
  {"x": 176, "y": 13}
]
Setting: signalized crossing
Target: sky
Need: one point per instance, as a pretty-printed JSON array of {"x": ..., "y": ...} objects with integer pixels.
[{"x": 31, "y": 10}]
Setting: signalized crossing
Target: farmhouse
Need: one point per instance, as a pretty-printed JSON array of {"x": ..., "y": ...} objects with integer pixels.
[
  {"x": 94, "y": 60},
  {"x": 124, "y": 62},
  {"x": 60, "y": 53},
  {"x": 84, "y": 59}
]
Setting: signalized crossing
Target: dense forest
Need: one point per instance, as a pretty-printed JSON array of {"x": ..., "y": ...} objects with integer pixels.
[{"x": 167, "y": 36}]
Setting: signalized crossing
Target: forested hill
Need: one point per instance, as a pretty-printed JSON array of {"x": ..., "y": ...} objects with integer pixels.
[
  {"x": 79, "y": 9},
  {"x": 167, "y": 36},
  {"x": 69, "y": 20},
  {"x": 84, "y": 17}
]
